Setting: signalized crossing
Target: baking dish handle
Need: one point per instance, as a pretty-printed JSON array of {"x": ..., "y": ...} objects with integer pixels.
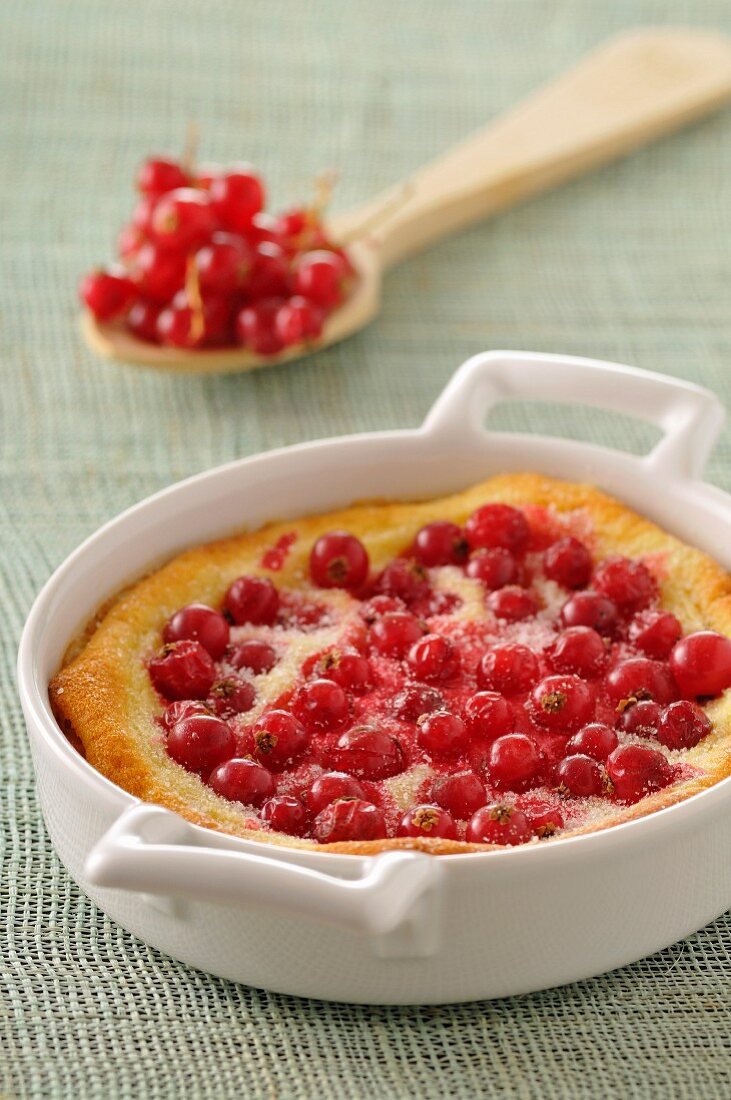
[
  {"x": 690, "y": 417},
  {"x": 153, "y": 851}
]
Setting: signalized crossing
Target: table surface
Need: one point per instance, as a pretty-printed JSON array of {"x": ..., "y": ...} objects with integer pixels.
[{"x": 632, "y": 264}]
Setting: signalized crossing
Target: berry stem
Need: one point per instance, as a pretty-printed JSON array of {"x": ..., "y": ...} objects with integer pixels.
[
  {"x": 190, "y": 149},
  {"x": 323, "y": 193},
  {"x": 193, "y": 294}
]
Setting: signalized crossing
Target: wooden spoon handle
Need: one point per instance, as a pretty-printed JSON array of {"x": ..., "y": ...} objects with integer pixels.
[{"x": 633, "y": 89}]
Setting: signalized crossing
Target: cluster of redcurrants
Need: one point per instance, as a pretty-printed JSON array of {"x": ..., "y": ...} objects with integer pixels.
[{"x": 203, "y": 266}]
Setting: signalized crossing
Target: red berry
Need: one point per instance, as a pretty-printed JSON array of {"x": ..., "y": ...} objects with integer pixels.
[
  {"x": 311, "y": 237},
  {"x": 142, "y": 214},
  {"x": 108, "y": 295},
  {"x": 201, "y": 624},
  {"x": 142, "y": 321},
  {"x": 321, "y": 277},
  {"x": 513, "y": 761},
  {"x": 200, "y": 742},
  {"x": 292, "y": 223},
  {"x": 627, "y": 583},
  {"x": 654, "y": 633},
  {"x": 682, "y": 725},
  {"x": 433, "y": 658},
  {"x": 158, "y": 175},
  {"x": 158, "y": 274},
  {"x": 395, "y": 633},
  {"x": 404, "y": 578},
  {"x": 264, "y": 228},
  {"x": 701, "y": 663},
  {"x": 512, "y": 604},
  {"x": 640, "y": 718},
  {"x": 269, "y": 274},
  {"x": 578, "y": 649},
  {"x": 305, "y": 615},
  {"x": 427, "y": 821},
  {"x": 595, "y": 740},
  {"x": 562, "y": 703},
  {"x": 129, "y": 241},
  {"x": 497, "y": 824},
  {"x": 590, "y": 609},
  {"x": 332, "y": 787},
  {"x": 636, "y": 771},
  {"x": 218, "y": 320},
  {"x": 414, "y": 700},
  {"x": 578, "y": 775},
  {"x": 242, "y": 780},
  {"x": 511, "y": 669},
  {"x": 373, "y": 609},
  {"x": 257, "y": 656},
  {"x": 352, "y": 819},
  {"x": 369, "y": 752},
  {"x": 351, "y": 671},
  {"x": 488, "y": 715},
  {"x": 178, "y": 326},
  {"x": 236, "y": 197},
  {"x": 498, "y": 525},
  {"x": 460, "y": 793},
  {"x": 640, "y": 678},
  {"x": 568, "y": 563},
  {"x": 231, "y": 695},
  {"x": 285, "y": 814},
  {"x": 182, "y": 219},
  {"x": 442, "y": 734},
  {"x": 278, "y": 739},
  {"x": 297, "y": 321},
  {"x": 184, "y": 708},
  {"x": 440, "y": 543},
  {"x": 184, "y": 325},
  {"x": 224, "y": 264},
  {"x": 321, "y": 705},
  {"x": 183, "y": 670},
  {"x": 545, "y": 820},
  {"x": 255, "y": 327},
  {"x": 339, "y": 560},
  {"x": 252, "y": 600},
  {"x": 495, "y": 567}
]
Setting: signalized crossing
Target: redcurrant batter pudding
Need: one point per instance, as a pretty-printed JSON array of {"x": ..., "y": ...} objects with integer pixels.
[{"x": 522, "y": 661}]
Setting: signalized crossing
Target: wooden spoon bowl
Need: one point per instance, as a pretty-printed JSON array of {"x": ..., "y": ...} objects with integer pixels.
[
  {"x": 114, "y": 341},
  {"x": 635, "y": 88}
]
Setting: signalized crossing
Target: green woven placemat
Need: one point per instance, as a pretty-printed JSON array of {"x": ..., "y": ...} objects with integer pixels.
[{"x": 633, "y": 264}]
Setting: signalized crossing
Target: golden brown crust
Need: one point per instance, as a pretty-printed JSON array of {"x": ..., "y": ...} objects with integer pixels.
[{"x": 103, "y": 695}]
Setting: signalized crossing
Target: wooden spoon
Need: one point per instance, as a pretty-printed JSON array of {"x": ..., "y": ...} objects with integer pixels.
[{"x": 635, "y": 88}]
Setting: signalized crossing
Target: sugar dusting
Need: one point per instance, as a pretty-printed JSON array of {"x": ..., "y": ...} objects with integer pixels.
[{"x": 403, "y": 789}]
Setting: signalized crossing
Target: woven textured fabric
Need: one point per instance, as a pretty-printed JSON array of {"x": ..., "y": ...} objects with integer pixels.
[{"x": 632, "y": 264}]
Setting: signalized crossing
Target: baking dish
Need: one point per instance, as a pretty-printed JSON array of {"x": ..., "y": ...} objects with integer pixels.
[{"x": 400, "y": 927}]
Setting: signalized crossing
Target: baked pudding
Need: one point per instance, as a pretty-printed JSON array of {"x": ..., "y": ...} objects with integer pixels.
[{"x": 524, "y": 660}]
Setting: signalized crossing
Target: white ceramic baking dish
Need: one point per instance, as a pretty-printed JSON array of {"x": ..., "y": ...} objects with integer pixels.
[{"x": 399, "y": 927}]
